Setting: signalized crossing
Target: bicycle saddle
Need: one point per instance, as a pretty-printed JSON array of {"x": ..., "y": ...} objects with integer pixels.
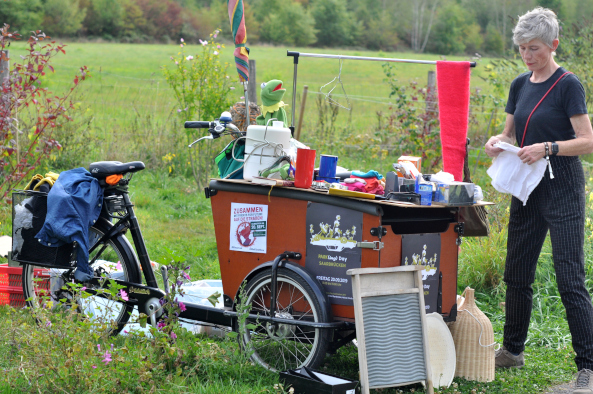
[{"x": 102, "y": 169}]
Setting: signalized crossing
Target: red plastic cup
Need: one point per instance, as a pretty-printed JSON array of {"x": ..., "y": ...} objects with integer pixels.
[{"x": 305, "y": 165}]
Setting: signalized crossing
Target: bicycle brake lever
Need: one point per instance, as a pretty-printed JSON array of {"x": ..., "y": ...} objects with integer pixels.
[{"x": 208, "y": 137}]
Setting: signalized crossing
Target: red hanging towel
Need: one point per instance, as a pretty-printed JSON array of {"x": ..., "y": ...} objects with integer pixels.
[{"x": 453, "y": 91}]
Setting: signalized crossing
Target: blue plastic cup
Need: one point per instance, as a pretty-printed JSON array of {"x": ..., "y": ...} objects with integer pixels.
[{"x": 327, "y": 166}]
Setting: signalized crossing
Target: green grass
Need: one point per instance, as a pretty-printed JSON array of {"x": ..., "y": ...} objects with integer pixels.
[
  {"x": 129, "y": 109},
  {"x": 127, "y": 84},
  {"x": 176, "y": 218}
]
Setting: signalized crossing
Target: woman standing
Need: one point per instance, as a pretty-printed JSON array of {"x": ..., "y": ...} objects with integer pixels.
[{"x": 558, "y": 130}]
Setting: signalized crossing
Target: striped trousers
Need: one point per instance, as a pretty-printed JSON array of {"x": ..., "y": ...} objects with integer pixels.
[{"x": 557, "y": 205}]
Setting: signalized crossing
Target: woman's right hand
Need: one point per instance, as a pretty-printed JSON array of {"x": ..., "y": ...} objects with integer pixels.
[{"x": 490, "y": 149}]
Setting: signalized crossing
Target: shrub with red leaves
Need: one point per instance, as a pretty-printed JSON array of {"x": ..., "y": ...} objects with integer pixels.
[{"x": 24, "y": 95}]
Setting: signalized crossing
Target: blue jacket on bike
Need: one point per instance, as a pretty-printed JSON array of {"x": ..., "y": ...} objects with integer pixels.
[{"x": 73, "y": 205}]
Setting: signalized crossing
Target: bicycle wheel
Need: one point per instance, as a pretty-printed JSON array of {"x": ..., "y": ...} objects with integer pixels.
[
  {"x": 287, "y": 346},
  {"x": 109, "y": 313}
]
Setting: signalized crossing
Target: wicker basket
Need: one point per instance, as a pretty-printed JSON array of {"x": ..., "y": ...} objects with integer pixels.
[{"x": 474, "y": 341}]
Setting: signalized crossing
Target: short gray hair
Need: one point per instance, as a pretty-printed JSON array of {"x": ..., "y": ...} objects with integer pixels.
[{"x": 539, "y": 23}]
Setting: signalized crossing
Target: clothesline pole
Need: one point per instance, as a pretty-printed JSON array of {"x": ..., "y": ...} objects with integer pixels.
[
  {"x": 374, "y": 59},
  {"x": 296, "y": 56},
  {"x": 294, "y": 84}
]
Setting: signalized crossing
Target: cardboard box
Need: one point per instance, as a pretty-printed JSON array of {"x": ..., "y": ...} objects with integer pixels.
[
  {"x": 308, "y": 381},
  {"x": 417, "y": 161},
  {"x": 455, "y": 193}
]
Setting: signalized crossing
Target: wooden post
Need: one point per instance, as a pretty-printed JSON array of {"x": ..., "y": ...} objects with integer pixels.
[
  {"x": 297, "y": 134},
  {"x": 252, "y": 87},
  {"x": 4, "y": 68},
  {"x": 431, "y": 97}
]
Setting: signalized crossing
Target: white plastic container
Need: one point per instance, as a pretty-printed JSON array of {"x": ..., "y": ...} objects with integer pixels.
[{"x": 260, "y": 155}]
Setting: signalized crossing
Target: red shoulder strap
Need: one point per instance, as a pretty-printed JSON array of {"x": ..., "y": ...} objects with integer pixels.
[{"x": 537, "y": 105}]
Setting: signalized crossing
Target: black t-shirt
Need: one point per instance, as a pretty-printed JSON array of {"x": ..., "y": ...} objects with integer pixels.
[{"x": 551, "y": 120}]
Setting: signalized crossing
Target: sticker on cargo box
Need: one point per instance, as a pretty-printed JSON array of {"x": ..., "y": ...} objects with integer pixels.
[
  {"x": 249, "y": 228},
  {"x": 424, "y": 250},
  {"x": 331, "y": 248}
]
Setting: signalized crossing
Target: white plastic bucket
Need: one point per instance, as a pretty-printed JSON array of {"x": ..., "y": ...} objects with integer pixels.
[{"x": 263, "y": 146}]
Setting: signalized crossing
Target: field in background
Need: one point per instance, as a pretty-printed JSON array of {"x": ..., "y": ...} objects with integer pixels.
[{"x": 128, "y": 94}]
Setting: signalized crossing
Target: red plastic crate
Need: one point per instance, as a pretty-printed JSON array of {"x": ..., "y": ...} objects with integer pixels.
[{"x": 11, "y": 290}]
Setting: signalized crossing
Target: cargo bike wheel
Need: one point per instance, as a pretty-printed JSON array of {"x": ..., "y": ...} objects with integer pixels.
[
  {"x": 114, "y": 258},
  {"x": 280, "y": 347}
]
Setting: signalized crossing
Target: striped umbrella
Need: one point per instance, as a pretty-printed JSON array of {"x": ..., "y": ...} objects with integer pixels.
[{"x": 237, "y": 17}]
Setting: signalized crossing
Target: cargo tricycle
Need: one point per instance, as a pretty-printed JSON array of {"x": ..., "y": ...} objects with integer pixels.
[{"x": 283, "y": 253}]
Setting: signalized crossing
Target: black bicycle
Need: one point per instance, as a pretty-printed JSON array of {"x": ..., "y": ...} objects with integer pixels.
[{"x": 279, "y": 335}]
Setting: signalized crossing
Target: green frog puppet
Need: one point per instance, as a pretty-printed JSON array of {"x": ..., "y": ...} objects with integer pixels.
[{"x": 273, "y": 106}]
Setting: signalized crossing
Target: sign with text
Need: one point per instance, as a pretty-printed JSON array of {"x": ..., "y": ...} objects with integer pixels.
[
  {"x": 424, "y": 250},
  {"x": 331, "y": 248},
  {"x": 249, "y": 226}
]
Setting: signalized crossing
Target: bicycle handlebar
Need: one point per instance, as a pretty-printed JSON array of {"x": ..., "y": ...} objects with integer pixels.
[{"x": 198, "y": 125}]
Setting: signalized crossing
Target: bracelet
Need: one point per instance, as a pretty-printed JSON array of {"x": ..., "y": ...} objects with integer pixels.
[{"x": 548, "y": 160}]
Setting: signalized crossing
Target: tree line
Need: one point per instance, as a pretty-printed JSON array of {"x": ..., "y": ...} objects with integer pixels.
[{"x": 436, "y": 26}]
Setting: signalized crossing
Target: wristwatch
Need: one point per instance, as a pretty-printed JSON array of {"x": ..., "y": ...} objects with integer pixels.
[{"x": 554, "y": 149}]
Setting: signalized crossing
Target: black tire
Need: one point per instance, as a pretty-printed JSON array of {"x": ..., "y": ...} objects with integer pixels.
[
  {"x": 110, "y": 314},
  {"x": 289, "y": 346}
]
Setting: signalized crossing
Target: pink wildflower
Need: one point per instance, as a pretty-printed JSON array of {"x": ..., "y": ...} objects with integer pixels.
[
  {"x": 232, "y": 88},
  {"x": 173, "y": 335},
  {"x": 94, "y": 366},
  {"x": 107, "y": 359},
  {"x": 83, "y": 288},
  {"x": 48, "y": 324},
  {"x": 118, "y": 266},
  {"x": 181, "y": 45},
  {"x": 181, "y": 40},
  {"x": 186, "y": 276},
  {"x": 190, "y": 57},
  {"x": 242, "y": 97},
  {"x": 124, "y": 295},
  {"x": 218, "y": 46},
  {"x": 161, "y": 324},
  {"x": 215, "y": 53},
  {"x": 98, "y": 347},
  {"x": 182, "y": 306}
]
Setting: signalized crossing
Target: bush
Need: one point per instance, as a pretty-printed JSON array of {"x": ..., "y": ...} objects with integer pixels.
[
  {"x": 576, "y": 50},
  {"x": 455, "y": 31},
  {"x": 24, "y": 15},
  {"x": 335, "y": 25},
  {"x": 63, "y": 17},
  {"x": 493, "y": 41},
  {"x": 29, "y": 113},
  {"x": 104, "y": 18},
  {"x": 202, "y": 89},
  {"x": 412, "y": 126},
  {"x": 380, "y": 33},
  {"x": 289, "y": 25}
]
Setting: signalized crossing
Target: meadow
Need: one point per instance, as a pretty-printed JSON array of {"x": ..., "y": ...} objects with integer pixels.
[
  {"x": 128, "y": 112},
  {"x": 128, "y": 94}
]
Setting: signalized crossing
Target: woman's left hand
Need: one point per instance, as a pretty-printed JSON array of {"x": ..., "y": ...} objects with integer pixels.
[{"x": 532, "y": 153}]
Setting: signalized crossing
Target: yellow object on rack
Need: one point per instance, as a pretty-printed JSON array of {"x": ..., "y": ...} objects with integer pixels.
[
  {"x": 350, "y": 193},
  {"x": 49, "y": 178}
]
